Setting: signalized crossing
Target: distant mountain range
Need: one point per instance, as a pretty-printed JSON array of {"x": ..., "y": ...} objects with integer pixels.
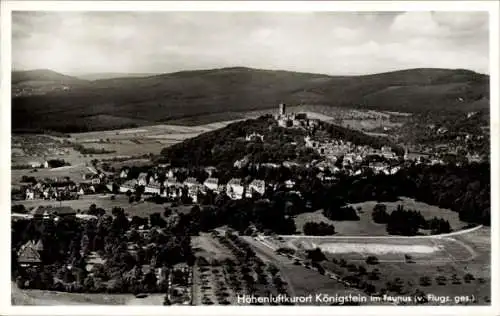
[
  {"x": 110, "y": 75},
  {"x": 66, "y": 103}
]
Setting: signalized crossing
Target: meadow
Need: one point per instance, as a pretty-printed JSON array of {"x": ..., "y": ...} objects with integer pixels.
[{"x": 366, "y": 227}]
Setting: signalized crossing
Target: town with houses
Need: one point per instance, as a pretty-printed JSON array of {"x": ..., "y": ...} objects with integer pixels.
[
  {"x": 175, "y": 184},
  {"x": 338, "y": 157},
  {"x": 235, "y": 158}
]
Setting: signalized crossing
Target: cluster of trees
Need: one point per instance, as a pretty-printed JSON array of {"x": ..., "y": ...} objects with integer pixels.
[
  {"x": 19, "y": 208},
  {"x": 408, "y": 222},
  {"x": 318, "y": 229},
  {"x": 379, "y": 214},
  {"x": 56, "y": 163},
  {"x": 464, "y": 189},
  {"x": 71, "y": 241},
  {"x": 405, "y": 222},
  {"x": 266, "y": 215},
  {"x": 91, "y": 151}
]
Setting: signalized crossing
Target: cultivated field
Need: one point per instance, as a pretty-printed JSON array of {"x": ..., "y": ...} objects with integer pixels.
[
  {"x": 124, "y": 143},
  {"x": 366, "y": 227}
]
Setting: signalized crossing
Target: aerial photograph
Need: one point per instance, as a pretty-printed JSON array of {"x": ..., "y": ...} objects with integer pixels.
[{"x": 250, "y": 158}]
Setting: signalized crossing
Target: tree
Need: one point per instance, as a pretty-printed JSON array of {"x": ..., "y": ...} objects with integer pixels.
[
  {"x": 379, "y": 214},
  {"x": 441, "y": 280},
  {"x": 149, "y": 282},
  {"x": 439, "y": 226},
  {"x": 372, "y": 260},
  {"x": 425, "y": 281},
  {"x": 316, "y": 255},
  {"x": 318, "y": 229},
  {"x": 167, "y": 212},
  {"x": 468, "y": 278},
  {"x": 370, "y": 288}
]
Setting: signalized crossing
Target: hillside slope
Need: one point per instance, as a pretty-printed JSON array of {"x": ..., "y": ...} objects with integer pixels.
[
  {"x": 42, "y": 81},
  {"x": 165, "y": 97}
]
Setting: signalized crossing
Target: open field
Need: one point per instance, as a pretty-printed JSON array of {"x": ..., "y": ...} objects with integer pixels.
[
  {"x": 148, "y": 131},
  {"x": 390, "y": 249},
  {"x": 74, "y": 172},
  {"x": 131, "y": 142},
  {"x": 366, "y": 227},
  {"x": 104, "y": 201},
  {"x": 39, "y": 297},
  {"x": 45, "y": 298},
  {"x": 450, "y": 257}
]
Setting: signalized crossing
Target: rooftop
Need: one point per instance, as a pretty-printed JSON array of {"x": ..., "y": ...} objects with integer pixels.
[
  {"x": 235, "y": 181},
  {"x": 212, "y": 181}
]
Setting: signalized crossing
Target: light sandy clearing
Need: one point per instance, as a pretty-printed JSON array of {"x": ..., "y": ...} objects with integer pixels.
[
  {"x": 133, "y": 131},
  {"x": 376, "y": 248}
]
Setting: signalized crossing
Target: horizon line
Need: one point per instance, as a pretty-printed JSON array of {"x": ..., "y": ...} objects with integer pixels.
[{"x": 146, "y": 74}]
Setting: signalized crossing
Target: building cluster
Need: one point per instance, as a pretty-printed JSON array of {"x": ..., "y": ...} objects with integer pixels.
[
  {"x": 172, "y": 188},
  {"x": 296, "y": 120},
  {"x": 63, "y": 188}
]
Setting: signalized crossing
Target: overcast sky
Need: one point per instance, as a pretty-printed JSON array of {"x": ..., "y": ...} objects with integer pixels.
[{"x": 323, "y": 42}]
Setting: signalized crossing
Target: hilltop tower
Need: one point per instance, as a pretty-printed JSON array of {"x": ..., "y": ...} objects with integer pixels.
[{"x": 282, "y": 109}]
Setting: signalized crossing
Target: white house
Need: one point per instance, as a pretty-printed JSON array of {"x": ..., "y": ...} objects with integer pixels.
[
  {"x": 170, "y": 174},
  {"x": 128, "y": 186},
  {"x": 289, "y": 183},
  {"x": 96, "y": 180},
  {"x": 30, "y": 194},
  {"x": 257, "y": 186},
  {"x": 193, "y": 192},
  {"x": 124, "y": 173},
  {"x": 394, "y": 170},
  {"x": 35, "y": 164},
  {"x": 153, "y": 188},
  {"x": 171, "y": 181},
  {"x": 190, "y": 182},
  {"x": 211, "y": 184},
  {"x": 142, "y": 179},
  {"x": 235, "y": 189}
]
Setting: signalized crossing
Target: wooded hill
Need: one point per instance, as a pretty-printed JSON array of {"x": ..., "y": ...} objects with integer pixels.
[{"x": 134, "y": 101}]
